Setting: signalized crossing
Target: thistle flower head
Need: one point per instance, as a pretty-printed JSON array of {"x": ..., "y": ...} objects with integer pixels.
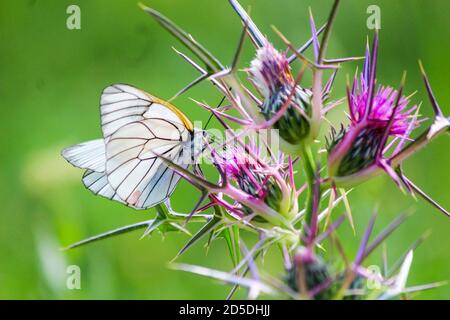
[
  {"x": 367, "y": 134},
  {"x": 244, "y": 166},
  {"x": 376, "y": 113},
  {"x": 382, "y": 110},
  {"x": 285, "y": 103},
  {"x": 270, "y": 70}
]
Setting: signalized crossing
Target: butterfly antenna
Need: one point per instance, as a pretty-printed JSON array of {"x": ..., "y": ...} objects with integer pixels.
[
  {"x": 211, "y": 115},
  {"x": 208, "y": 121}
]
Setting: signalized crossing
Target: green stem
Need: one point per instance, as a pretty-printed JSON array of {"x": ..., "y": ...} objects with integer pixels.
[{"x": 309, "y": 166}]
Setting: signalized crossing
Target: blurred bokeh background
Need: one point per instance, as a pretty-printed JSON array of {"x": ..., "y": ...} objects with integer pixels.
[{"x": 50, "y": 82}]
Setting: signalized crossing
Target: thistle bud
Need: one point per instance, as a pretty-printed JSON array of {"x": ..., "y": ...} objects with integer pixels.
[
  {"x": 308, "y": 274},
  {"x": 271, "y": 73},
  {"x": 356, "y": 288}
]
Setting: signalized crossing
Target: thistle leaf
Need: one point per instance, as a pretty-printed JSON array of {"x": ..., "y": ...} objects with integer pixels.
[
  {"x": 413, "y": 247},
  {"x": 226, "y": 277},
  {"x": 212, "y": 64},
  {"x": 348, "y": 209},
  {"x": 152, "y": 227},
  {"x": 189, "y": 176},
  {"x": 424, "y": 287},
  {"x": 256, "y": 35},
  {"x": 400, "y": 280},
  {"x": 180, "y": 228},
  {"x": 231, "y": 236},
  {"x": 207, "y": 228},
  {"x": 109, "y": 234},
  {"x": 385, "y": 233}
]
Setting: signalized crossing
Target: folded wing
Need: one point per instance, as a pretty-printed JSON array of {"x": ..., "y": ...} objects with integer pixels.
[
  {"x": 139, "y": 129},
  {"x": 87, "y": 155},
  {"x": 125, "y": 165}
]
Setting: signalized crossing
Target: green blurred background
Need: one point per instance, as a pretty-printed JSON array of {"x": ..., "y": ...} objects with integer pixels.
[{"x": 50, "y": 82}]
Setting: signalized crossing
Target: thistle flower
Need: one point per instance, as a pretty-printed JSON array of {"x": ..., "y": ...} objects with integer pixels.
[
  {"x": 245, "y": 167},
  {"x": 250, "y": 175},
  {"x": 364, "y": 137},
  {"x": 271, "y": 73},
  {"x": 376, "y": 114}
]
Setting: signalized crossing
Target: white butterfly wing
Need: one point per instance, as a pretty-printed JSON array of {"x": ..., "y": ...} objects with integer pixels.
[
  {"x": 138, "y": 128},
  {"x": 87, "y": 155},
  {"x": 124, "y": 166},
  {"x": 97, "y": 183},
  {"x": 91, "y": 155},
  {"x": 132, "y": 157},
  {"x": 159, "y": 188},
  {"x": 121, "y": 104}
]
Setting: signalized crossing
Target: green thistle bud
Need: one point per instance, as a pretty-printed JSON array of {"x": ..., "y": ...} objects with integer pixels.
[
  {"x": 309, "y": 272},
  {"x": 293, "y": 126},
  {"x": 283, "y": 99}
]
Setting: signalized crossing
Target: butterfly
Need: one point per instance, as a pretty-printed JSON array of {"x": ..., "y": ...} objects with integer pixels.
[{"x": 138, "y": 129}]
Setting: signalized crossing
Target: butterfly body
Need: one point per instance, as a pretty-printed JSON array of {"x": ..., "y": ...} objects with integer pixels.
[{"x": 126, "y": 165}]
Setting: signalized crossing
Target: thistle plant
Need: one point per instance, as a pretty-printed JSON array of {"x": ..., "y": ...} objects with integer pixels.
[{"x": 273, "y": 183}]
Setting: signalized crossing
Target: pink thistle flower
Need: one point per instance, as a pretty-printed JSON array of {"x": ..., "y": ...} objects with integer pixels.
[
  {"x": 383, "y": 109},
  {"x": 375, "y": 116},
  {"x": 244, "y": 167}
]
